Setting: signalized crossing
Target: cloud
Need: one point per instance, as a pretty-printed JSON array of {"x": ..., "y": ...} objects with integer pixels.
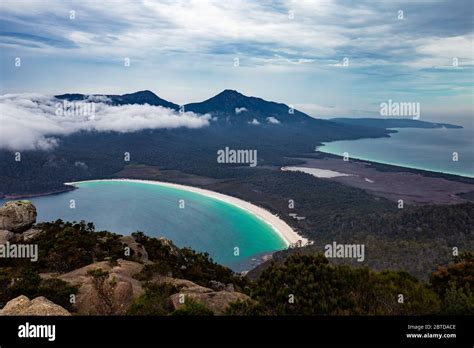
[
  {"x": 254, "y": 122},
  {"x": 80, "y": 165},
  {"x": 441, "y": 52},
  {"x": 34, "y": 121},
  {"x": 240, "y": 110},
  {"x": 273, "y": 120},
  {"x": 322, "y": 111},
  {"x": 318, "y": 30}
]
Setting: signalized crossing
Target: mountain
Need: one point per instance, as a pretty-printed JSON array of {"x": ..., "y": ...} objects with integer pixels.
[
  {"x": 233, "y": 107},
  {"x": 392, "y": 123},
  {"x": 255, "y": 120},
  {"x": 188, "y": 150},
  {"x": 141, "y": 97}
]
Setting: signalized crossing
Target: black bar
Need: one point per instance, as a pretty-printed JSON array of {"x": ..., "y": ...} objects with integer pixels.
[{"x": 240, "y": 330}]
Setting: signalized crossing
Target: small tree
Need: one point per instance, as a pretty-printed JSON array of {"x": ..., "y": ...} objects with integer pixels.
[{"x": 105, "y": 290}]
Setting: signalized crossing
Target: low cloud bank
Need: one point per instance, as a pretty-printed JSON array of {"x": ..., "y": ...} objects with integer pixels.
[
  {"x": 272, "y": 120},
  {"x": 34, "y": 121}
]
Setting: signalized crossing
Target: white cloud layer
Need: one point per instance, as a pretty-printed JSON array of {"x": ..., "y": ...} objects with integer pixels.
[
  {"x": 284, "y": 32},
  {"x": 34, "y": 121}
]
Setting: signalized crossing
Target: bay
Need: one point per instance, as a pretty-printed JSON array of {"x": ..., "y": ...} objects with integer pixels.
[
  {"x": 419, "y": 148},
  {"x": 204, "y": 224}
]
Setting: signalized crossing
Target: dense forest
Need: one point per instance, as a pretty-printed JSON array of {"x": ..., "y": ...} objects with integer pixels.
[
  {"x": 88, "y": 155},
  {"x": 414, "y": 238},
  {"x": 310, "y": 285}
]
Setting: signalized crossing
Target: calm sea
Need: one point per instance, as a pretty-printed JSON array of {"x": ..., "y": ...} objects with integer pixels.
[
  {"x": 205, "y": 224},
  {"x": 428, "y": 149}
]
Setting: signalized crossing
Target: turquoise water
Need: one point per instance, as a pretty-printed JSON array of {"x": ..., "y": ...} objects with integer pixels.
[
  {"x": 205, "y": 224},
  {"x": 428, "y": 149}
]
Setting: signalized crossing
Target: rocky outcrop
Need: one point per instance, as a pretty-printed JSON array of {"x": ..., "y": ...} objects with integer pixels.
[
  {"x": 122, "y": 286},
  {"x": 30, "y": 234},
  {"x": 139, "y": 252},
  {"x": 218, "y": 286},
  {"x": 182, "y": 284},
  {"x": 17, "y": 216},
  {"x": 216, "y": 301},
  {"x": 22, "y": 305},
  {"x": 173, "y": 249},
  {"x": 215, "y": 285},
  {"x": 7, "y": 236}
]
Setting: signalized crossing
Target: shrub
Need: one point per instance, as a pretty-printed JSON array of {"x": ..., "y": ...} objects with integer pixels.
[
  {"x": 155, "y": 300},
  {"x": 194, "y": 308}
]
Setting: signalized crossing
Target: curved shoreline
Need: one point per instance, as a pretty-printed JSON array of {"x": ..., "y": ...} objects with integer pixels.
[{"x": 280, "y": 227}]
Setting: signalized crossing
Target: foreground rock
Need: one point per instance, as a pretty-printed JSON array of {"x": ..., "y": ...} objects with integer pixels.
[
  {"x": 30, "y": 234},
  {"x": 119, "y": 291},
  {"x": 17, "y": 216},
  {"x": 218, "y": 286},
  {"x": 7, "y": 236},
  {"x": 185, "y": 286},
  {"x": 22, "y": 305},
  {"x": 139, "y": 252},
  {"x": 173, "y": 249},
  {"x": 216, "y": 301}
]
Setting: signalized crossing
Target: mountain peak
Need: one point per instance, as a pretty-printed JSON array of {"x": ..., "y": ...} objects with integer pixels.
[
  {"x": 231, "y": 106},
  {"x": 230, "y": 93},
  {"x": 140, "y": 97},
  {"x": 145, "y": 92},
  {"x": 144, "y": 97}
]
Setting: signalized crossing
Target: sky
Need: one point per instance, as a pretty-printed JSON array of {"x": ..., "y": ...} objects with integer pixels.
[{"x": 327, "y": 58}]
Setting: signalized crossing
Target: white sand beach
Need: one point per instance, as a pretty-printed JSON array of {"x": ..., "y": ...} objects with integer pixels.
[
  {"x": 319, "y": 173},
  {"x": 280, "y": 227}
]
